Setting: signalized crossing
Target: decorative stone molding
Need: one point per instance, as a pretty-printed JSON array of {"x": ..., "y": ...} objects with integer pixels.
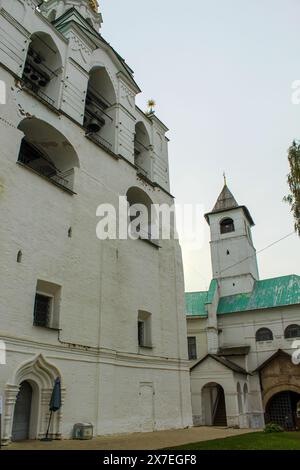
[
  {"x": 42, "y": 374},
  {"x": 78, "y": 46},
  {"x": 127, "y": 94}
]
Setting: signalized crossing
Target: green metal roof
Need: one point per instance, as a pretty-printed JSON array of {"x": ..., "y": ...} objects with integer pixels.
[
  {"x": 269, "y": 293},
  {"x": 195, "y": 303},
  {"x": 212, "y": 290}
]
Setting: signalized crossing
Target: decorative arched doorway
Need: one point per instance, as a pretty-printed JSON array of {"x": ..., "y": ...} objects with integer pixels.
[
  {"x": 283, "y": 409},
  {"x": 280, "y": 384},
  {"x": 27, "y": 398},
  {"x": 213, "y": 405},
  {"x": 22, "y": 413}
]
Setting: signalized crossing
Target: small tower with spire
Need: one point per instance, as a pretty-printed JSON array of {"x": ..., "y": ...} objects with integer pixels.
[{"x": 233, "y": 255}]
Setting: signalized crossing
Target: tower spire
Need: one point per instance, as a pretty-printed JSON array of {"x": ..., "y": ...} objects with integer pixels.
[
  {"x": 224, "y": 176},
  {"x": 232, "y": 251}
]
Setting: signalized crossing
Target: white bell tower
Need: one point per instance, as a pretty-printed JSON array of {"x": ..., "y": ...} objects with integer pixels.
[
  {"x": 89, "y": 9},
  {"x": 233, "y": 255}
]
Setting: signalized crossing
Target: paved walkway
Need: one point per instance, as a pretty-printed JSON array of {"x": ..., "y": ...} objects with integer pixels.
[{"x": 137, "y": 441}]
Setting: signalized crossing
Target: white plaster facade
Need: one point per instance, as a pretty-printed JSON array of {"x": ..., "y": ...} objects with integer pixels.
[{"x": 49, "y": 240}]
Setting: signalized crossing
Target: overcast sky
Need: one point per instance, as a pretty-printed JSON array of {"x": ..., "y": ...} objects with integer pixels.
[{"x": 221, "y": 73}]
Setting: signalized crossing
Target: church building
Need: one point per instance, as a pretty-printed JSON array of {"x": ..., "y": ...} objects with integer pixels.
[
  {"x": 106, "y": 317},
  {"x": 243, "y": 333}
]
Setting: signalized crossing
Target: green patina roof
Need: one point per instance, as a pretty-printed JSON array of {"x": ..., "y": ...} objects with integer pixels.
[
  {"x": 212, "y": 290},
  {"x": 195, "y": 303},
  {"x": 269, "y": 293}
]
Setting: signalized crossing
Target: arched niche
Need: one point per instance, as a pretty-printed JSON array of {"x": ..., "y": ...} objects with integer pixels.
[
  {"x": 40, "y": 374},
  {"x": 142, "y": 155},
  {"x": 141, "y": 209},
  {"x": 46, "y": 150},
  {"x": 100, "y": 109},
  {"x": 42, "y": 72}
]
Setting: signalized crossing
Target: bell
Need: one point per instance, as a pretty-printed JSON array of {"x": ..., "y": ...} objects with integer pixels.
[
  {"x": 34, "y": 76},
  {"x": 37, "y": 59},
  {"x": 93, "y": 126},
  {"x": 27, "y": 69},
  {"x": 42, "y": 82}
]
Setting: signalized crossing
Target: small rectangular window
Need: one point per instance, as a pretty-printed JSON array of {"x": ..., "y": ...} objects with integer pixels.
[
  {"x": 47, "y": 305},
  {"x": 192, "y": 348},
  {"x": 141, "y": 333},
  {"x": 144, "y": 329},
  {"x": 42, "y": 310}
]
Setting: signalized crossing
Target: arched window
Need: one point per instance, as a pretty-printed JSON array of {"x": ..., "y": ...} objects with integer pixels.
[
  {"x": 100, "y": 109},
  {"x": 264, "y": 334},
  {"x": 56, "y": 162},
  {"x": 292, "y": 331},
  {"x": 141, "y": 150},
  {"x": 227, "y": 226},
  {"x": 43, "y": 68},
  {"x": 142, "y": 224}
]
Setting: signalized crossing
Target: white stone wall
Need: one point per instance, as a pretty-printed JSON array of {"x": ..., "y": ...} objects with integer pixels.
[
  {"x": 103, "y": 283},
  {"x": 212, "y": 372},
  {"x": 238, "y": 329}
]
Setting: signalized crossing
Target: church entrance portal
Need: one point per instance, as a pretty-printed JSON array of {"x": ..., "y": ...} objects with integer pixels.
[{"x": 284, "y": 409}]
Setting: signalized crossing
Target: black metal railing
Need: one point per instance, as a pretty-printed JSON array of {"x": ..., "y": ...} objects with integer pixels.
[
  {"x": 100, "y": 121},
  {"x": 31, "y": 157},
  {"x": 35, "y": 88},
  {"x": 137, "y": 152},
  {"x": 137, "y": 144},
  {"x": 141, "y": 170},
  {"x": 96, "y": 109},
  {"x": 97, "y": 139}
]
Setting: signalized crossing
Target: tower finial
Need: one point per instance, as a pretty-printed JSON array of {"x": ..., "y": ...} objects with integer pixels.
[
  {"x": 225, "y": 180},
  {"x": 94, "y": 5},
  {"x": 151, "y": 105}
]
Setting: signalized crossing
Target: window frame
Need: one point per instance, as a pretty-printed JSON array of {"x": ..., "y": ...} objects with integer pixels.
[
  {"x": 289, "y": 327},
  {"x": 141, "y": 334},
  {"x": 192, "y": 354},
  {"x": 50, "y": 307},
  {"x": 265, "y": 330},
  {"x": 144, "y": 318},
  {"x": 224, "y": 228}
]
